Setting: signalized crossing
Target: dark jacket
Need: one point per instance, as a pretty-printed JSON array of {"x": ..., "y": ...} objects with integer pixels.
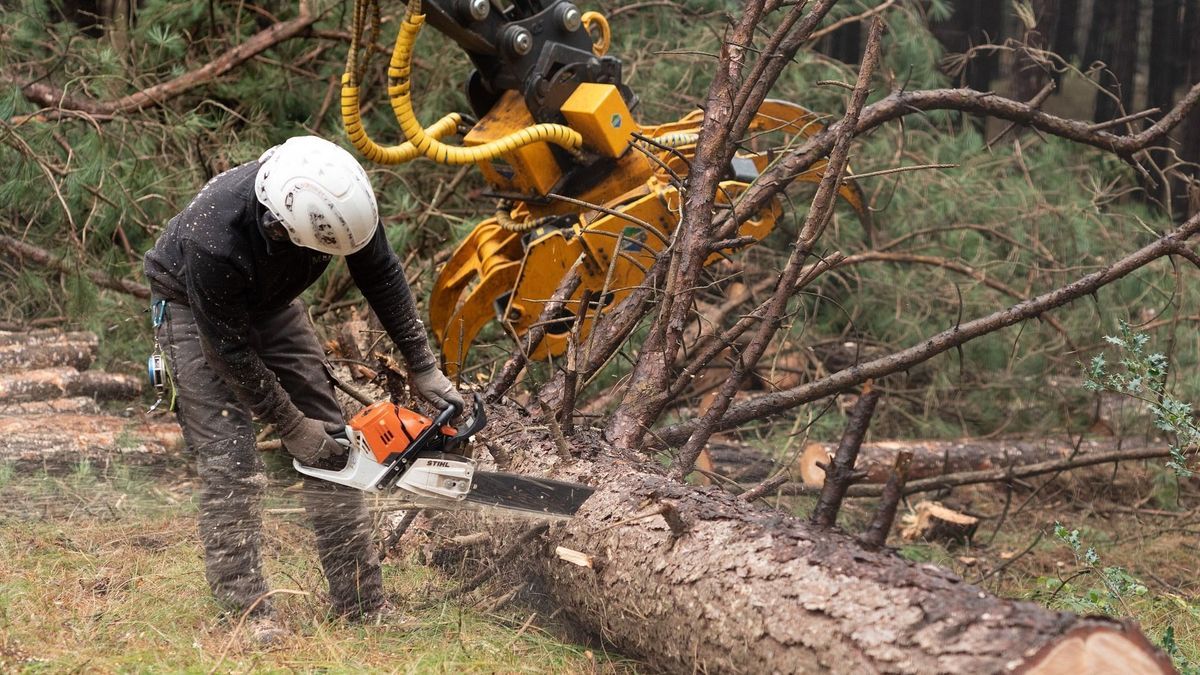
[{"x": 214, "y": 257}]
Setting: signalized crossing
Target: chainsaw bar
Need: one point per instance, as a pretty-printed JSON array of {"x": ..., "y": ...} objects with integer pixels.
[{"x": 539, "y": 496}]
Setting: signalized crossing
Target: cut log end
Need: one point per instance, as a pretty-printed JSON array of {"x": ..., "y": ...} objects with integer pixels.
[
  {"x": 814, "y": 456},
  {"x": 1099, "y": 650},
  {"x": 932, "y": 521}
]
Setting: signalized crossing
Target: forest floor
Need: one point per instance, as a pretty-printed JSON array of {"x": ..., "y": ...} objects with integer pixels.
[
  {"x": 1127, "y": 546},
  {"x": 103, "y": 572}
]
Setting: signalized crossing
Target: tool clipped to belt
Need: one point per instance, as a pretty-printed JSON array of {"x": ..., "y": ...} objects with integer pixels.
[
  {"x": 156, "y": 365},
  {"x": 398, "y": 451}
]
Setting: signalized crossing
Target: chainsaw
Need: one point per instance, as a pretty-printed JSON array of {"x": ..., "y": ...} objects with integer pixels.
[{"x": 400, "y": 452}]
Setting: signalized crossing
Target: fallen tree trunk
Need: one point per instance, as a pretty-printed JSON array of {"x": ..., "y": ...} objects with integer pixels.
[
  {"x": 696, "y": 579},
  {"x": 75, "y": 353},
  {"x": 45, "y": 258},
  {"x": 45, "y": 336},
  {"x": 934, "y": 458},
  {"x": 51, "y": 383},
  {"x": 60, "y": 438},
  {"x": 82, "y": 405}
]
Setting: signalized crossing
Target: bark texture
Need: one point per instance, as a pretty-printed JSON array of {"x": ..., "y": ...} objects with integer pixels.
[
  {"x": 76, "y": 350},
  {"x": 761, "y": 591},
  {"x": 49, "y": 383},
  {"x": 933, "y": 458}
]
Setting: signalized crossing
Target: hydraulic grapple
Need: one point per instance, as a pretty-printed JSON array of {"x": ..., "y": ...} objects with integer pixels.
[{"x": 574, "y": 174}]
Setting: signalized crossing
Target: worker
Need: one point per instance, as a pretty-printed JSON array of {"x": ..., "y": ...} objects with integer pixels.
[{"x": 238, "y": 344}]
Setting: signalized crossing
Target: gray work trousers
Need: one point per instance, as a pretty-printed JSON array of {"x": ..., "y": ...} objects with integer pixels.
[{"x": 218, "y": 429}]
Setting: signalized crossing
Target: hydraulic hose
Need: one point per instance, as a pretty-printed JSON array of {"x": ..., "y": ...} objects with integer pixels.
[
  {"x": 392, "y": 154},
  {"x": 351, "y": 110},
  {"x": 504, "y": 218},
  {"x": 427, "y": 144},
  {"x": 677, "y": 139}
]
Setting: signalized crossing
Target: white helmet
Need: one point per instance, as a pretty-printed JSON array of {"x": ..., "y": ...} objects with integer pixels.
[{"x": 320, "y": 194}]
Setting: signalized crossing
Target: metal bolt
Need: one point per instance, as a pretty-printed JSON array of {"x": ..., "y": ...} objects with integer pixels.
[
  {"x": 570, "y": 16},
  {"x": 479, "y": 9},
  {"x": 520, "y": 41}
]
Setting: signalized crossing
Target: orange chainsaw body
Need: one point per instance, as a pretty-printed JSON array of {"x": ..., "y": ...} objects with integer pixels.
[{"x": 388, "y": 429}]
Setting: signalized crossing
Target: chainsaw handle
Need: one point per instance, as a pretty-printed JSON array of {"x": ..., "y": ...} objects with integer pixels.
[
  {"x": 448, "y": 413},
  {"x": 478, "y": 421}
]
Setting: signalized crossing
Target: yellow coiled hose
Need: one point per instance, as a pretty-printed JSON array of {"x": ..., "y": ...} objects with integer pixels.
[
  {"x": 426, "y": 143},
  {"x": 677, "y": 139},
  {"x": 352, "y": 114},
  {"x": 392, "y": 154}
]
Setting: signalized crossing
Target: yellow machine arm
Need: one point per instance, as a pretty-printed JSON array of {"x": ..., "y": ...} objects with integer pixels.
[{"x": 591, "y": 184}]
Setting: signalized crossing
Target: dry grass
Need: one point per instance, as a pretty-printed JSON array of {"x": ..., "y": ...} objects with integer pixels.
[
  {"x": 103, "y": 573},
  {"x": 1137, "y": 519}
]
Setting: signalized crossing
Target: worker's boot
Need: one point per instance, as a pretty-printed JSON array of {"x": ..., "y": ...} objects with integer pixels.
[{"x": 265, "y": 631}]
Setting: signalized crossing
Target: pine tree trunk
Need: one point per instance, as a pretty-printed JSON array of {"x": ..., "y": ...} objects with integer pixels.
[
  {"x": 1113, "y": 40},
  {"x": 1190, "y": 133},
  {"x": 1029, "y": 75},
  {"x": 1064, "y": 43},
  {"x": 934, "y": 458},
  {"x": 696, "y": 580},
  {"x": 51, "y": 383},
  {"x": 74, "y": 350},
  {"x": 66, "y": 439}
]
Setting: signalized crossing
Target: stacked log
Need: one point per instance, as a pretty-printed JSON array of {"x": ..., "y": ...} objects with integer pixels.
[{"x": 50, "y": 404}]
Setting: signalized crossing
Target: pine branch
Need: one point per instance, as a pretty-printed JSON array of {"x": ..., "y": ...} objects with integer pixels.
[
  {"x": 59, "y": 101},
  {"x": 41, "y": 256},
  {"x": 773, "y": 403}
]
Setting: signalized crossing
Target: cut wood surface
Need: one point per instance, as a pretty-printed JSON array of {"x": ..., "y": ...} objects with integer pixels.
[
  {"x": 78, "y": 352},
  {"x": 63, "y": 438},
  {"x": 51, "y": 383},
  {"x": 933, "y": 458},
  {"x": 762, "y": 591},
  {"x": 933, "y": 521}
]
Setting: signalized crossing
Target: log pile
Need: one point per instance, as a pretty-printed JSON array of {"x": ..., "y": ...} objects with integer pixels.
[{"x": 50, "y": 408}]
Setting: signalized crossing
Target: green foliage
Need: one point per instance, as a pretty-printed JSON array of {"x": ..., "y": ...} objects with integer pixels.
[
  {"x": 1143, "y": 376},
  {"x": 1109, "y": 590},
  {"x": 1184, "y": 665},
  {"x": 1033, "y": 219},
  {"x": 1115, "y": 584}
]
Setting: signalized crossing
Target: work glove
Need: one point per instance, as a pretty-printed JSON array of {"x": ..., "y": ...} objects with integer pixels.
[
  {"x": 310, "y": 441},
  {"x": 433, "y": 386}
]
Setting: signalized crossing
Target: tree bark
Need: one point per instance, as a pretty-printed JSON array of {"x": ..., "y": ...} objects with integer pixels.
[
  {"x": 1030, "y": 73},
  {"x": 698, "y": 580},
  {"x": 933, "y": 458},
  {"x": 52, "y": 383},
  {"x": 77, "y": 352}
]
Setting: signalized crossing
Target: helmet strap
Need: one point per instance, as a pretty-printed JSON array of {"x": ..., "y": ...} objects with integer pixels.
[{"x": 272, "y": 228}]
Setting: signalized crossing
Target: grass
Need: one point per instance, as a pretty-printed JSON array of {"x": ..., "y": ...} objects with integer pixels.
[
  {"x": 103, "y": 572},
  {"x": 1154, "y": 546}
]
